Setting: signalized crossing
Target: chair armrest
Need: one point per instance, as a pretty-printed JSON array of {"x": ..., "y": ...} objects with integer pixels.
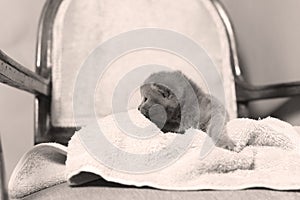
[
  {"x": 15, "y": 75},
  {"x": 247, "y": 92}
]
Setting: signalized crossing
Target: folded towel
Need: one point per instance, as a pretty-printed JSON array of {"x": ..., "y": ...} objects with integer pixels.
[
  {"x": 41, "y": 167},
  {"x": 268, "y": 150},
  {"x": 267, "y": 132},
  {"x": 267, "y": 155},
  {"x": 178, "y": 173}
]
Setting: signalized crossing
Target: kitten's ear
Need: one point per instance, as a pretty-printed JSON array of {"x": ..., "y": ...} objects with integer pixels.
[
  {"x": 165, "y": 92},
  {"x": 142, "y": 87}
]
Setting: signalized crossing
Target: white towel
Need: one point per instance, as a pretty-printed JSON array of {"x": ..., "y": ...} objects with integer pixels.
[
  {"x": 267, "y": 156},
  {"x": 41, "y": 167}
]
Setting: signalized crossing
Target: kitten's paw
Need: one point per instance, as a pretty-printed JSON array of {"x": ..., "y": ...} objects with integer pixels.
[{"x": 226, "y": 144}]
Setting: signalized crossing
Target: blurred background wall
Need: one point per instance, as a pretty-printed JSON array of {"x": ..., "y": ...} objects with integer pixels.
[{"x": 268, "y": 36}]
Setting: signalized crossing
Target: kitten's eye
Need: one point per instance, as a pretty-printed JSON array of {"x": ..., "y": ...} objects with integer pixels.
[
  {"x": 145, "y": 98},
  {"x": 165, "y": 94}
]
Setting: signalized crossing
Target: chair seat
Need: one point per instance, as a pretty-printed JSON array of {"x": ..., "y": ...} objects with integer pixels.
[{"x": 101, "y": 189}]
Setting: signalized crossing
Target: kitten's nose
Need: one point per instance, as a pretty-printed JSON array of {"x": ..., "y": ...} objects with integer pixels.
[{"x": 139, "y": 108}]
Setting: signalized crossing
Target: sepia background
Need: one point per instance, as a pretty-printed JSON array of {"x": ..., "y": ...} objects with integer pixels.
[{"x": 268, "y": 36}]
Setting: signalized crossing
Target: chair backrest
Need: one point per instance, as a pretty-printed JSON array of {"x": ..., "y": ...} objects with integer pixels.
[{"x": 72, "y": 32}]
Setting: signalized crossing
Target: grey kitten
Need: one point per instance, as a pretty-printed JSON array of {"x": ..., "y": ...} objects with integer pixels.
[{"x": 175, "y": 103}]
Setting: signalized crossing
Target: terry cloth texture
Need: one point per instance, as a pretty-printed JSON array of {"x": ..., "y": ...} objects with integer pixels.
[{"x": 266, "y": 155}]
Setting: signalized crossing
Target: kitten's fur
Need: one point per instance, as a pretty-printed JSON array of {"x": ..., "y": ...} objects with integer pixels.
[{"x": 186, "y": 106}]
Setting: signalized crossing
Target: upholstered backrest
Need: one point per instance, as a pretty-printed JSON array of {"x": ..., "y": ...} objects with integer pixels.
[{"x": 82, "y": 27}]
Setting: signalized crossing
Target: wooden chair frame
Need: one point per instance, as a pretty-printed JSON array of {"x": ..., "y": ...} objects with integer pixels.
[{"x": 39, "y": 82}]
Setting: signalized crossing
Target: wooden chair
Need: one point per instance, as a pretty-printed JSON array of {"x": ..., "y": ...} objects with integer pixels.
[{"x": 40, "y": 83}]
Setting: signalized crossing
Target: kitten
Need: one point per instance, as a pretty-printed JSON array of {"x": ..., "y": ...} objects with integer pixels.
[{"x": 175, "y": 103}]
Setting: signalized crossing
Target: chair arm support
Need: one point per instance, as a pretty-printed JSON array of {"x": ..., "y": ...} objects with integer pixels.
[
  {"x": 15, "y": 75},
  {"x": 247, "y": 92}
]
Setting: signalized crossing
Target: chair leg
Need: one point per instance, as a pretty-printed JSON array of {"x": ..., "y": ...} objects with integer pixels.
[{"x": 3, "y": 191}]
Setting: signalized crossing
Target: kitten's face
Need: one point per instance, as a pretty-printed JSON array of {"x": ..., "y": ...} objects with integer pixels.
[{"x": 159, "y": 96}]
